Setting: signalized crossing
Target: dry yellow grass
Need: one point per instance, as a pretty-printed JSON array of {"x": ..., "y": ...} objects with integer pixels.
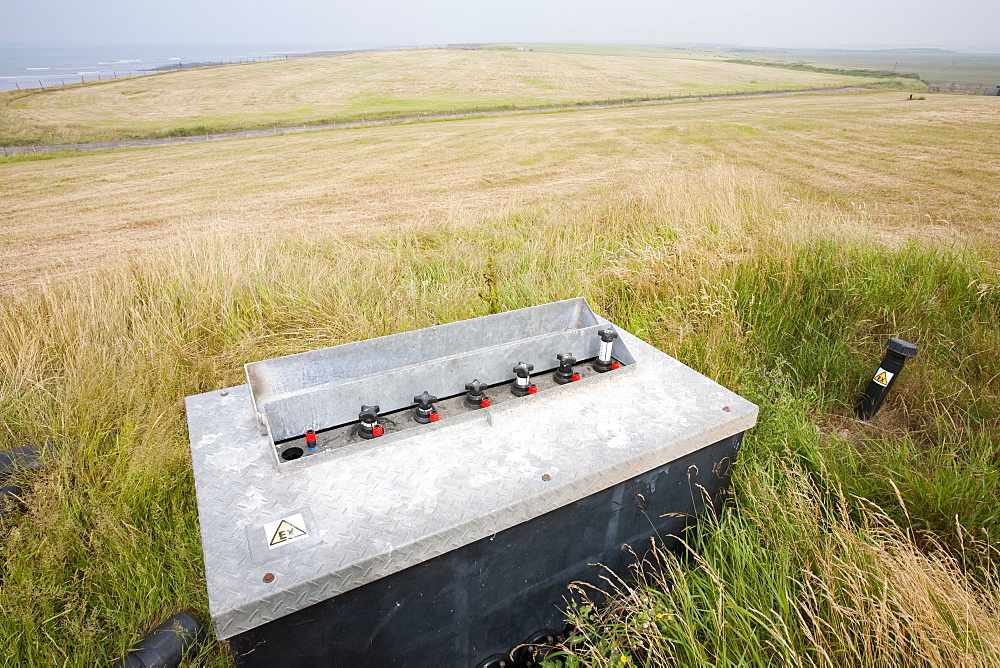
[
  {"x": 291, "y": 92},
  {"x": 735, "y": 236},
  {"x": 99, "y": 364},
  {"x": 918, "y": 166}
]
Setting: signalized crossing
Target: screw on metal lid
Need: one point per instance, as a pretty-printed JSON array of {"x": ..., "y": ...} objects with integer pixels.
[{"x": 901, "y": 347}]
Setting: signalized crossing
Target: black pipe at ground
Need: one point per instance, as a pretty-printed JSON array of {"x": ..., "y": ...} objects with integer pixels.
[
  {"x": 896, "y": 354},
  {"x": 13, "y": 461},
  {"x": 11, "y": 498},
  {"x": 167, "y": 645},
  {"x": 24, "y": 457}
]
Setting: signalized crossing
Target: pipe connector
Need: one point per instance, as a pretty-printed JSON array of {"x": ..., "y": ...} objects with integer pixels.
[
  {"x": 522, "y": 380},
  {"x": 425, "y": 413},
  {"x": 604, "y": 363},
  {"x": 565, "y": 374},
  {"x": 475, "y": 397},
  {"x": 370, "y": 427}
]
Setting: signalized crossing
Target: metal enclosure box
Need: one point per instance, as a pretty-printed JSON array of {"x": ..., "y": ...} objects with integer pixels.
[{"x": 444, "y": 543}]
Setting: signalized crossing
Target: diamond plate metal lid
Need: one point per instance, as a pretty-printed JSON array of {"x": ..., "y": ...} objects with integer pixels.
[{"x": 277, "y": 539}]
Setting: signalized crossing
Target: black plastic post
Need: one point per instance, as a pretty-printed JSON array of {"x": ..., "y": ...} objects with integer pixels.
[
  {"x": 167, "y": 645},
  {"x": 896, "y": 354}
]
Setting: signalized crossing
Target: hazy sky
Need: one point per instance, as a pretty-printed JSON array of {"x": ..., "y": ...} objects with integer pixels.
[{"x": 964, "y": 24}]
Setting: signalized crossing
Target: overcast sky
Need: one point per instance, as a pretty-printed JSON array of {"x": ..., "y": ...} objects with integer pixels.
[{"x": 963, "y": 24}]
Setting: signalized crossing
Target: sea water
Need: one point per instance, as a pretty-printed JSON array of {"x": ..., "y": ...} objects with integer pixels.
[{"x": 34, "y": 66}]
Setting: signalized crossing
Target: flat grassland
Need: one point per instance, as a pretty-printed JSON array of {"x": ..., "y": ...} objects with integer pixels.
[
  {"x": 922, "y": 163},
  {"x": 932, "y": 66},
  {"x": 772, "y": 244},
  {"x": 369, "y": 85}
]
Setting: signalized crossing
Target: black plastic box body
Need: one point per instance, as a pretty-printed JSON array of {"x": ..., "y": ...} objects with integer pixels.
[{"x": 493, "y": 594}]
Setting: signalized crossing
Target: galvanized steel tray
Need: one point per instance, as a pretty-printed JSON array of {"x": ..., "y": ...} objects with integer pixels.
[{"x": 278, "y": 537}]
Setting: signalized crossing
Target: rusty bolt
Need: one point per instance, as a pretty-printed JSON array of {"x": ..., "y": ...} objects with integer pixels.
[
  {"x": 268, "y": 577},
  {"x": 546, "y": 477},
  {"x": 725, "y": 408}
]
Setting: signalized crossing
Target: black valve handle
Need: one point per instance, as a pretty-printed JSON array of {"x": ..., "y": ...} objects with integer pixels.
[
  {"x": 564, "y": 374},
  {"x": 369, "y": 427},
  {"x": 475, "y": 397},
  {"x": 424, "y": 413},
  {"x": 475, "y": 388},
  {"x": 523, "y": 370},
  {"x": 369, "y": 414},
  {"x": 603, "y": 362},
  {"x": 425, "y": 400},
  {"x": 522, "y": 386}
]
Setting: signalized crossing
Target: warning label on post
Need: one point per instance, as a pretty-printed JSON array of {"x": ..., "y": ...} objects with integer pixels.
[
  {"x": 882, "y": 377},
  {"x": 286, "y": 530}
]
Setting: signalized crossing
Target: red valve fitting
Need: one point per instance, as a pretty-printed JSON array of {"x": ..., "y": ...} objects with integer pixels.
[
  {"x": 616, "y": 365},
  {"x": 311, "y": 439},
  {"x": 378, "y": 430},
  {"x": 485, "y": 402},
  {"x": 434, "y": 416},
  {"x": 576, "y": 377},
  {"x": 532, "y": 389}
]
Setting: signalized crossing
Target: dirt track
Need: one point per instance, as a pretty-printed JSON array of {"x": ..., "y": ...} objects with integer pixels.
[{"x": 418, "y": 118}]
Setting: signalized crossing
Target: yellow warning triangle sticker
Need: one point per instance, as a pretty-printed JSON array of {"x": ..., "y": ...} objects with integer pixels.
[
  {"x": 285, "y": 532},
  {"x": 882, "y": 377}
]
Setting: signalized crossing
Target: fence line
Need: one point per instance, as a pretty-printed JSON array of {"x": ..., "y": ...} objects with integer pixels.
[{"x": 962, "y": 88}]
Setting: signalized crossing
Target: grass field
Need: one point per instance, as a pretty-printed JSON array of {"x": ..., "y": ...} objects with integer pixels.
[
  {"x": 931, "y": 66},
  {"x": 772, "y": 244},
  {"x": 914, "y": 163},
  {"x": 369, "y": 85}
]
